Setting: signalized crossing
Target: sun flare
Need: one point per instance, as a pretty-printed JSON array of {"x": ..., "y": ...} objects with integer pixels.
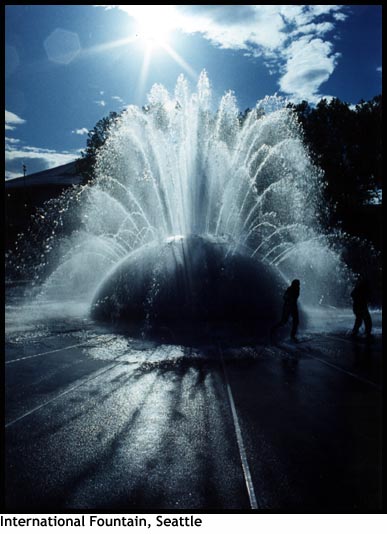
[{"x": 154, "y": 24}]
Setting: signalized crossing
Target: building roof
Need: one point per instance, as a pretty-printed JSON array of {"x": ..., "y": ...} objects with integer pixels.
[{"x": 65, "y": 175}]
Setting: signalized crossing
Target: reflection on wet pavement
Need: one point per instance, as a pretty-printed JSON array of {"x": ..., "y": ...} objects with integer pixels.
[{"x": 103, "y": 420}]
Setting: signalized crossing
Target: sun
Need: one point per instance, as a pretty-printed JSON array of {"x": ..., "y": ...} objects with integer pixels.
[{"x": 154, "y": 24}]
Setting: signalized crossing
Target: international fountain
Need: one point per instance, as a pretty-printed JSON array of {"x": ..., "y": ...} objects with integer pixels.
[
  {"x": 198, "y": 217},
  {"x": 130, "y": 382}
]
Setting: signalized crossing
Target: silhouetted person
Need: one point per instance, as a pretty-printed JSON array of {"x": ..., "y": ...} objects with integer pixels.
[
  {"x": 290, "y": 309},
  {"x": 360, "y": 299}
]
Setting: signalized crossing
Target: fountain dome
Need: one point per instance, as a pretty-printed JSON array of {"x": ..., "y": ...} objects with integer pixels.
[{"x": 193, "y": 278}]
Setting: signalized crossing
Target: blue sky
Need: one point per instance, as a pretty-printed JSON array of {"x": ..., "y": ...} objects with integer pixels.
[{"x": 67, "y": 66}]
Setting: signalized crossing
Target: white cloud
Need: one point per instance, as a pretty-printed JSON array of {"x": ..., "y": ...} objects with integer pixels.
[
  {"x": 276, "y": 33},
  {"x": 313, "y": 28},
  {"x": 100, "y": 103},
  {"x": 235, "y": 27},
  {"x": 118, "y": 99},
  {"x": 243, "y": 26},
  {"x": 340, "y": 17},
  {"x": 80, "y": 131},
  {"x": 12, "y": 120},
  {"x": 35, "y": 159},
  {"x": 310, "y": 62},
  {"x": 9, "y": 175},
  {"x": 11, "y": 140}
]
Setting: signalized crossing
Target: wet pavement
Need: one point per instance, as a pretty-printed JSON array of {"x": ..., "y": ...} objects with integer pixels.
[{"x": 100, "y": 420}]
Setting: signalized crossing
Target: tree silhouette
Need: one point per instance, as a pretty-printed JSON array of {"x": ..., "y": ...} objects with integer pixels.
[
  {"x": 345, "y": 142},
  {"x": 95, "y": 140}
]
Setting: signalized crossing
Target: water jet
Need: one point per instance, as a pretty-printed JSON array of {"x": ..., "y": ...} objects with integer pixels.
[{"x": 242, "y": 194}]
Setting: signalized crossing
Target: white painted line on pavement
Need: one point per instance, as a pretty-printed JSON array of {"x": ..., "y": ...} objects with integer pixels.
[
  {"x": 329, "y": 364},
  {"x": 60, "y": 395},
  {"x": 69, "y": 390},
  {"x": 353, "y": 375},
  {"x": 241, "y": 447},
  {"x": 44, "y": 353}
]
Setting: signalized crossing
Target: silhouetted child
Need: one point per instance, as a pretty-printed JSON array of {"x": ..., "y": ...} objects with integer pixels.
[
  {"x": 360, "y": 308},
  {"x": 290, "y": 309}
]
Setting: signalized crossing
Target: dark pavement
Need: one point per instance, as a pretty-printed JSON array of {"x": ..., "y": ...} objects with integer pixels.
[{"x": 99, "y": 420}]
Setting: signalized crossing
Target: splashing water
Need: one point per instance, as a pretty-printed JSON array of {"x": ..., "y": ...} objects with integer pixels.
[{"x": 176, "y": 168}]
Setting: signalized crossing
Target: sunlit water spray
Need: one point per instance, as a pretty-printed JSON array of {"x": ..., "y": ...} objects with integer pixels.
[{"x": 199, "y": 215}]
